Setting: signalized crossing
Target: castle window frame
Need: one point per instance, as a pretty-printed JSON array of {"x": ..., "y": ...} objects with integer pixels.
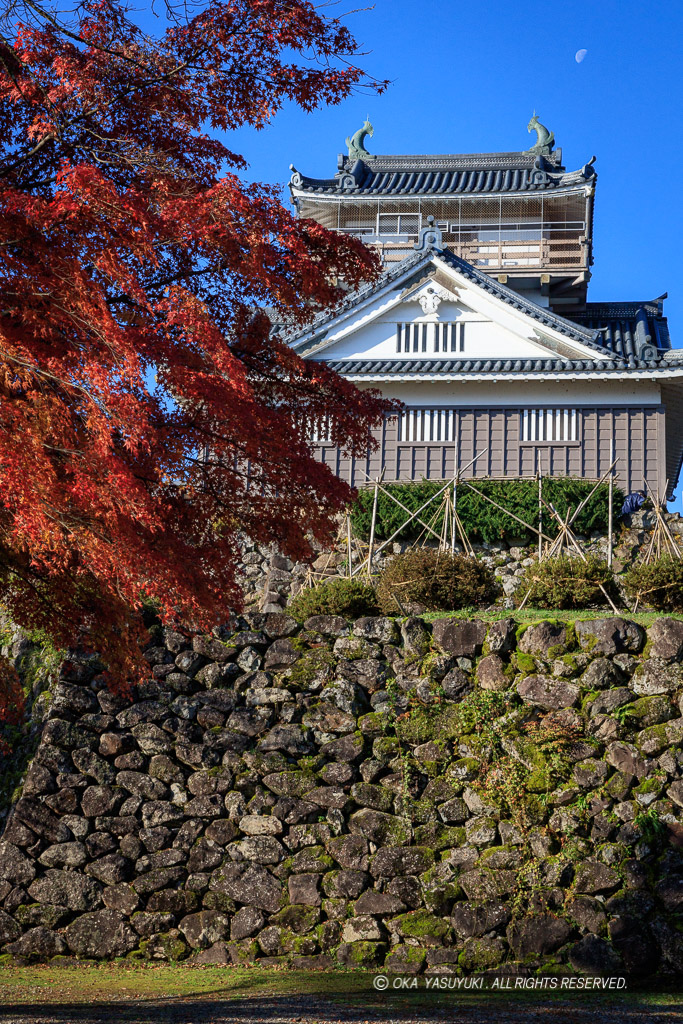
[
  {"x": 427, "y": 426},
  {"x": 440, "y": 337},
  {"x": 550, "y": 425}
]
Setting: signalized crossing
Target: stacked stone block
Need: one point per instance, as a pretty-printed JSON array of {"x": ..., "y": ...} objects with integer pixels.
[{"x": 449, "y": 797}]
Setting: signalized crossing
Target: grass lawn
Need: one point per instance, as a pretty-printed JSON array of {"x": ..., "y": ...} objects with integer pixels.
[
  {"x": 538, "y": 614},
  {"x": 82, "y": 984},
  {"x": 86, "y": 983}
]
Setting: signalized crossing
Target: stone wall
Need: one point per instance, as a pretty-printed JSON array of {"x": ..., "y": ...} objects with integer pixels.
[{"x": 445, "y": 798}]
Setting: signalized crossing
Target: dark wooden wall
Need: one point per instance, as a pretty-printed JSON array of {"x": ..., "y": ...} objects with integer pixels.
[{"x": 638, "y": 433}]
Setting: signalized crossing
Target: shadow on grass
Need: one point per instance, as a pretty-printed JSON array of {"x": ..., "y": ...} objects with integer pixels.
[{"x": 333, "y": 1007}]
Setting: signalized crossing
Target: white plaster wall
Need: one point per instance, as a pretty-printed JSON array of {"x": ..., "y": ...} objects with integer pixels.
[
  {"x": 530, "y": 393},
  {"x": 376, "y": 338}
]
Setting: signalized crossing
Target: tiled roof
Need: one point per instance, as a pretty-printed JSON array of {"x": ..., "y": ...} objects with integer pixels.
[
  {"x": 444, "y": 175},
  {"x": 625, "y": 327},
  {"x": 448, "y": 367},
  {"x": 584, "y": 335}
]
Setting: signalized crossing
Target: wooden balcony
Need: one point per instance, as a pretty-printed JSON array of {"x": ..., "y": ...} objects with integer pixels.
[{"x": 549, "y": 254}]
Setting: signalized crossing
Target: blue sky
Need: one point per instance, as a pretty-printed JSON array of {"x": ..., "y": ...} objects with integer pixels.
[{"x": 466, "y": 78}]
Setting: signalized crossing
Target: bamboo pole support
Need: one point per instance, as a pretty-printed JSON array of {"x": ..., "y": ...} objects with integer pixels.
[
  {"x": 527, "y": 526},
  {"x": 414, "y": 515},
  {"x": 455, "y": 504},
  {"x": 348, "y": 545},
  {"x": 582, "y": 504},
  {"x": 540, "y": 511},
  {"x": 610, "y": 506},
  {"x": 373, "y": 522},
  {"x": 453, "y": 519},
  {"x": 410, "y": 518}
]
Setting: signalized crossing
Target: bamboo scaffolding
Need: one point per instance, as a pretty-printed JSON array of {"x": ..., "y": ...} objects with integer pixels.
[
  {"x": 661, "y": 538},
  {"x": 527, "y": 526},
  {"x": 374, "y": 518},
  {"x": 414, "y": 516},
  {"x": 566, "y": 537},
  {"x": 582, "y": 504},
  {"x": 610, "y": 507},
  {"x": 540, "y": 513}
]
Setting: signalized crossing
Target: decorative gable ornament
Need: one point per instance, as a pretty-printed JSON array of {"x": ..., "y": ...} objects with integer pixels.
[
  {"x": 545, "y": 140},
  {"x": 431, "y": 297},
  {"x": 430, "y": 237}
]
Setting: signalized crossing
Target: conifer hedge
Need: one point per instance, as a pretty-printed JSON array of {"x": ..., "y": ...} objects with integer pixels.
[{"x": 481, "y": 521}]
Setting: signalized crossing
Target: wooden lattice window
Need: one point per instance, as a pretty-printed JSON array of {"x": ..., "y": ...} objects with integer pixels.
[
  {"x": 426, "y": 425},
  {"x": 442, "y": 338},
  {"x": 550, "y": 425}
]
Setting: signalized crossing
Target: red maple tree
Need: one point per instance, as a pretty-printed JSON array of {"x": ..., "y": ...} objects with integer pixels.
[{"x": 148, "y": 415}]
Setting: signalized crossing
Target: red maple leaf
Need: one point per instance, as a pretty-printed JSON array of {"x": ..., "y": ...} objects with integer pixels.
[{"x": 148, "y": 415}]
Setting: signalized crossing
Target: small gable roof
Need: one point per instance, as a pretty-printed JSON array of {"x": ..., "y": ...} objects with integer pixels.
[{"x": 400, "y": 274}]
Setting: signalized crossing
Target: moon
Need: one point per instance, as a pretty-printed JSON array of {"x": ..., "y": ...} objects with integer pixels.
[{"x": 580, "y": 54}]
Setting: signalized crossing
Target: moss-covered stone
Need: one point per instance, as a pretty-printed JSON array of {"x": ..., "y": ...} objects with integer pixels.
[
  {"x": 405, "y": 960},
  {"x": 420, "y": 924},
  {"x": 540, "y": 780},
  {"x": 653, "y": 739},
  {"x": 310, "y": 764},
  {"x": 291, "y": 783},
  {"x": 651, "y": 785},
  {"x": 385, "y": 747},
  {"x": 246, "y": 951},
  {"x": 310, "y": 858},
  {"x": 361, "y": 954},
  {"x": 424, "y": 724},
  {"x": 218, "y": 901},
  {"x": 32, "y": 915},
  {"x": 373, "y": 724},
  {"x": 524, "y": 663},
  {"x": 296, "y": 918},
  {"x": 481, "y": 954},
  {"x": 648, "y": 710},
  {"x": 463, "y": 769},
  {"x": 164, "y": 946},
  {"x": 439, "y": 836},
  {"x": 368, "y": 795},
  {"x": 440, "y": 889},
  {"x": 313, "y": 669},
  {"x": 302, "y": 945},
  {"x": 419, "y": 812},
  {"x": 395, "y": 840}
]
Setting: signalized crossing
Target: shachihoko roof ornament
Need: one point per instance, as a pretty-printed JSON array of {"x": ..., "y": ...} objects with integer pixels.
[
  {"x": 545, "y": 140},
  {"x": 356, "y": 142}
]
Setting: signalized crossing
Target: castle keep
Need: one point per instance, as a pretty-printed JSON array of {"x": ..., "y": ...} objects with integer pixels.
[{"x": 482, "y": 327}]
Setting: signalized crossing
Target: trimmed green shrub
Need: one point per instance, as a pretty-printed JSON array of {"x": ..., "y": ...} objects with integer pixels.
[
  {"x": 566, "y": 582},
  {"x": 351, "y": 599},
  {"x": 480, "y": 520},
  {"x": 438, "y": 580},
  {"x": 658, "y": 584}
]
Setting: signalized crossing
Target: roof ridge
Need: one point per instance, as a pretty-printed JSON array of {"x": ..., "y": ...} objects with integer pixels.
[{"x": 443, "y": 174}]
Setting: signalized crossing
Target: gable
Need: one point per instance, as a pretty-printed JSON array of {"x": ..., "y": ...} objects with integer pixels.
[
  {"x": 437, "y": 311},
  {"x": 454, "y": 329},
  {"x": 432, "y": 289}
]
